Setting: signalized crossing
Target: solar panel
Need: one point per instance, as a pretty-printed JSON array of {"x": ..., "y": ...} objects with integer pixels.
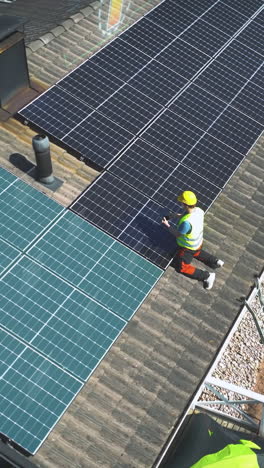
[
  {"x": 121, "y": 59},
  {"x": 183, "y": 178},
  {"x": 240, "y": 59},
  {"x": 107, "y": 271},
  {"x": 127, "y": 215},
  {"x": 183, "y": 58},
  {"x": 196, "y": 8},
  {"x": 6, "y": 179},
  {"x": 147, "y": 37},
  {"x": 213, "y": 160},
  {"x": 247, "y": 7},
  {"x": 144, "y": 167},
  {"x": 98, "y": 139},
  {"x": 260, "y": 17},
  {"x": 225, "y": 18},
  {"x": 252, "y": 36},
  {"x": 198, "y": 106},
  {"x": 158, "y": 82},
  {"x": 220, "y": 81},
  {"x": 258, "y": 78},
  {"x": 205, "y": 37},
  {"x": 130, "y": 109},
  {"x": 171, "y": 17},
  {"x": 56, "y": 111},
  {"x": 90, "y": 84},
  {"x": 172, "y": 134},
  {"x": 251, "y": 101},
  {"x": 55, "y": 319},
  {"x": 34, "y": 393},
  {"x": 25, "y": 212},
  {"x": 236, "y": 130},
  {"x": 8, "y": 255}
]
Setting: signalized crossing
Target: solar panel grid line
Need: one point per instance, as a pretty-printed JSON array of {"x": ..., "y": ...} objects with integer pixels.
[
  {"x": 45, "y": 336},
  {"x": 6, "y": 179},
  {"x": 251, "y": 7},
  {"x": 18, "y": 423}
]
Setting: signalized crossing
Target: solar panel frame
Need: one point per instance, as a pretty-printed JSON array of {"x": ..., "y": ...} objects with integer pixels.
[
  {"x": 158, "y": 82},
  {"x": 56, "y": 111},
  {"x": 252, "y": 36},
  {"x": 197, "y": 106},
  {"x": 225, "y": 18},
  {"x": 221, "y": 81},
  {"x": 174, "y": 130},
  {"x": 148, "y": 37},
  {"x": 98, "y": 140},
  {"x": 204, "y": 160},
  {"x": 93, "y": 262},
  {"x": 6, "y": 179},
  {"x": 65, "y": 325},
  {"x": 171, "y": 17},
  {"x": 250, "y": 101},
  {"x": 90, "y": 84},
  {"x": 249, "y": 7},
  {"x": 183, "y": 58},
  {"x": 205, "y": 37},
  {"x": 8, "y": 255},
  {"x": 258, "y": 77},
  {"x": 236, "y": 130},
  {"x": 25, "y": 213},
  {"x": 240, "y": 58},
  {"x": 130, "y": 109},
  {"x": 31, "y": 411}
]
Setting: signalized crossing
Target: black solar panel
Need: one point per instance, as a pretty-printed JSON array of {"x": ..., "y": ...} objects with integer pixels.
[
  {"x": 240, "y": 59},
  {"x": 127, "y": 215},
  {"x": 220, "y": 81},
  {"x": 236, "y": 130},
  {"x": 225, "y": 18},
  {"x": 121, "y": 59},
  {"x": 252, "y": 36},
  {"x": 56, "y": 111},
  {"x": 196, "y": 7},
  {"x": 171, "y": 17},
  {"x": 182, "y": 178},
  {"x": 158, "y": 82},
  {"x": 251, "y": 101},
  {"x": 148, "y": 37},
  {"x": 260, "y": 18},
  {"x": 213, "y": 160},
  {"x": 130, "y": 109},
  {"x": 258, "y": 78},
  {"x": 144, "y": 167},
  {"x": 183, "y": 58},
  {"x": 198, "y": 106},
  {"x": 205, "y": 37},
  {"x": 89, "y": 84},
  {"x": 247, "y": 7},
  {"x": 172, "y": 134},
  {"x": 98, "y": 139}
]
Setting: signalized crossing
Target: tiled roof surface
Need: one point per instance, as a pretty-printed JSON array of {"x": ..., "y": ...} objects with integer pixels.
[{"x": 125, "y": 412}]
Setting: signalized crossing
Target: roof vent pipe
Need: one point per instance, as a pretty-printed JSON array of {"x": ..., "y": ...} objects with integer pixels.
[{"x": 41, "y": 148}]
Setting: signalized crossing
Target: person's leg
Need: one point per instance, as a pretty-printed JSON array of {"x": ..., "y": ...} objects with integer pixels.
[
  {"x": 206, "y": 258},
  {"x": 182, "y": 263}
]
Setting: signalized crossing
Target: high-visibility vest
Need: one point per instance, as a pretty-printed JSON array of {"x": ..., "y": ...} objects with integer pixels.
[
  {"x": 194, "y": 239},
  {"x": 232, "y": 456}
]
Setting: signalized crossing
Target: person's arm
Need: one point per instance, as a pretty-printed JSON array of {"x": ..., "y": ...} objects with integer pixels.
[{"x": 184, "y": 228}]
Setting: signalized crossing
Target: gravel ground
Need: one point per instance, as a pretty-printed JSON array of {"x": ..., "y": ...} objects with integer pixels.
[{"x": 242, "y": 360}]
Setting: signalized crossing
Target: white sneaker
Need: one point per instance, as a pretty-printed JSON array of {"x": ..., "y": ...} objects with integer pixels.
[
  {"x": 208, "y": 283},
  {"x": 219, "y": 263}
]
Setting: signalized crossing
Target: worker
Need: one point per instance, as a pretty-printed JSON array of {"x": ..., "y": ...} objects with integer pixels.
[{"x": 189, "y": 238}]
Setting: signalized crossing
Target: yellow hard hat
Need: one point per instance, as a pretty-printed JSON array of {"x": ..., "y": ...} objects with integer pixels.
[{"x": 188, "y": 198}]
